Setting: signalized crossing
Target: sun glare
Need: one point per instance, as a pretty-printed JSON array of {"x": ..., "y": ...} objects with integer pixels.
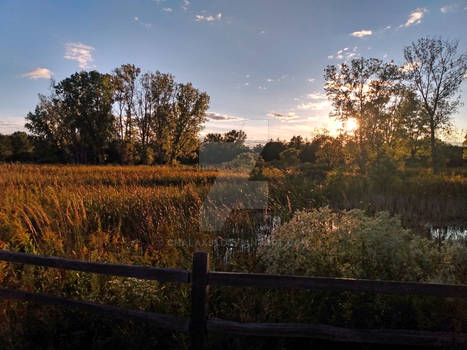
[{"x": 350, "y": 125}]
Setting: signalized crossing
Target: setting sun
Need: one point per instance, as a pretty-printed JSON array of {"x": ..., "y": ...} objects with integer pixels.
[{"x": 350, "y": 125}]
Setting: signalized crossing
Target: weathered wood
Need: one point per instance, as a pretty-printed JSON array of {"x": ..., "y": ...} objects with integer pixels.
[
  {"x": 160, "y": 320},
  {"x": 142, "y": 272},
  {"x": 334, "y": 284},
  {"x": 199, "y": 292},
  {"x": 326, "y": 332}
]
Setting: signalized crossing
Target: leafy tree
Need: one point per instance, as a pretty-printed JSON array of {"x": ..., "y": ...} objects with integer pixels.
[
  {"x": 21, "y": 146},
  {"x": 125, "y": 83},
  {"x": 296, "y": 142},
  {"x": 370, "y": 91},
  {"x": 271, "y": 150},
  {"x": 188, "y": 116},
  {"x": 308, "y": 152},
  {"x": 435, "y": 72},
  {"x": 235, "y": 136},
  {"x": 5, "y": 148},
  {"x": 77, "y": 117},
  {"x": 289, "y": 158},
  {"x": 217, "y": 148}
]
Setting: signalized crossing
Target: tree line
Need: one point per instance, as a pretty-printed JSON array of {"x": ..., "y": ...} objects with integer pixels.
[
  {"x": 395, "y": 105},
  {"x": 126, "y": 117},
  {"x": 130, "y": 117}
]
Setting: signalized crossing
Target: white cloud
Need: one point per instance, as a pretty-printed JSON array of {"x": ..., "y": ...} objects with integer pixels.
[
  {"x": 221, "y": 117},
  {"x": 38, "y": 73},
  {"x": 319, "y": 105},
  {"x": 80, "y": 53},
  {"x": 9, "y": 126},
  {"x": 344, "y": 54},
  {"x": 416, "y": 16},
  {"x": 317, "y": 96},
  {"x": 209, "y": 18},
  {"x": 319, "y": 102},
  {"x": 282, "y": 116},
  {"x": 145, "y": 25},
  {"x": 448, "y": 8},
  {"x": 362, "y": 33},
  {"x": 247, "y": 76},
  {"x": 167, "y": 9},
  {"x": 269, "y": 80},
  {"x": 311, "y": 80},
  {"x": 186, "y": 4}
]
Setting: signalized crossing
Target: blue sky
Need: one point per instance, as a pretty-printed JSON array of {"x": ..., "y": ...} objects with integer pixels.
[{"x": 259, "y": 60}]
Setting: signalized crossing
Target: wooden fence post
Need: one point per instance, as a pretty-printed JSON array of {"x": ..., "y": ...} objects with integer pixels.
[{"x": 199, "y": 291}]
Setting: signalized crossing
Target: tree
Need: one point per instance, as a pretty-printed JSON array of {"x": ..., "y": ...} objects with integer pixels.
[
  {"x": 235, "y": 136},
  {"x": 296, "y": 142},
  {"x": 213, "y": 138},
  {"x": 272, "y": 150},
  {"x": 368, "y": 90},
  {"x": 21, "y": 145},
  {"x": 188, "y": 116},
  {"x": 125, "y": 83},
  {"x": 163, "y": 90},
  {"x": 435, "y": 71},
  {"x": 5, "y": 148},
  {"x": 77, "y": 118},
  {"x": 217, "y": 148}
]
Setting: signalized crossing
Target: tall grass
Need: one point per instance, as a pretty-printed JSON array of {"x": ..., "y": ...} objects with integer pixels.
[{"x": 150, "y": 216}]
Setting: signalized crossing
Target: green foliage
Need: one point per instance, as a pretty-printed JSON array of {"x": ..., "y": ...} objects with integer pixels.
[
  {"x": 350, "y": 244},
  {"x": 94, "y": 118}
]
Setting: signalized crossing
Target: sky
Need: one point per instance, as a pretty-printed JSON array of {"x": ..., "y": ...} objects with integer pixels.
[{"x": 261, "y": 61}]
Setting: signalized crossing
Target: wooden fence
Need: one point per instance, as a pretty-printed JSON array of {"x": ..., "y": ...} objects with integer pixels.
[{"x": 200, "y": 278}]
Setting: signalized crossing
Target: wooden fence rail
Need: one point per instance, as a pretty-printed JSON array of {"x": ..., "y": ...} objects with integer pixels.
[{"x": 200, "y": 278}]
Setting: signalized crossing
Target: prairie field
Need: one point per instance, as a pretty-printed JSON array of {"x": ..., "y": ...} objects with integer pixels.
[{"x": 145, "y": 215}]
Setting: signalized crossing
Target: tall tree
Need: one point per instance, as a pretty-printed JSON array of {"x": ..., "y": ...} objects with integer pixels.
[
  {"x": 125, "y": 79},
  {"x": 163, "y": 90},
  {"x": 365, "y": 90},
  {"x": 77, "y": 118},
  {"x": 188, "y": 116},
  {"x": 435, "y": 71}
]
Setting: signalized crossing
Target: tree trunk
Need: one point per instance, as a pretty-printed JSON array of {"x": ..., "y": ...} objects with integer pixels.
[{"x": 434, "y": 162}]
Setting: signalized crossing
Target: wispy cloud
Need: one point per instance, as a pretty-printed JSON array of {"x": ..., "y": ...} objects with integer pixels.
[
  {"x": 80, "y": 53},
  {"x": 167, "y": 9},
  {"x": 221, "y": 117},
  {"x": 311, "y": 80},
  {"x": 416, "y": 16},
  {"x": 319, "y": 102},
  {"x": 344, "y": 54},
  {"x": 38, "y": 73},
  {"x": 209, "y": 18},
  {"x": 362, "y": 33},
  {"x": 318, "y": 105},
  {"x": 11, "y": 126},
  {"x": 145, "y": 25},
  {"x": 282, "y": 116},
  {"x": 186, "y": 4}
]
